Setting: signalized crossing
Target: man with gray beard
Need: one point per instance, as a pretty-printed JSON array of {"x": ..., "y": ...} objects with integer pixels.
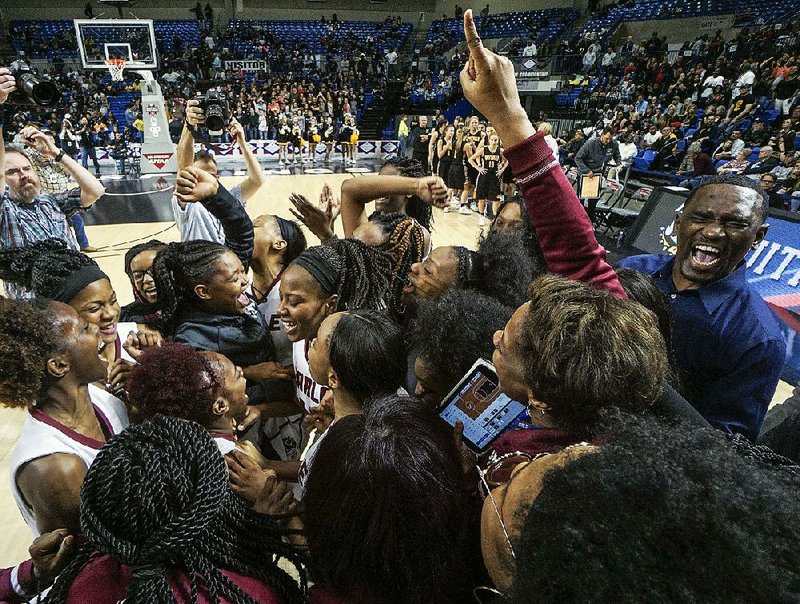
[{"x": 26, "y": 214}]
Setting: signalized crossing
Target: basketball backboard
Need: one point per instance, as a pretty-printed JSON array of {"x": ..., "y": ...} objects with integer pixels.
[{"x": 133, "y": 40}]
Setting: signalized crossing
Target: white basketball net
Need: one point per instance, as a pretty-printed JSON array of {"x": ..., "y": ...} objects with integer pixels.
[{"x": 116, "y": 67}]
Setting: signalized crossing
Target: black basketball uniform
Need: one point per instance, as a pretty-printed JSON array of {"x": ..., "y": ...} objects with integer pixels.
[
  {"x": 475, "y": 140},
  {"x": 488, "y": 186},
  {"x": 446, "y": 161},
  {"x": 456, "y": 175}
]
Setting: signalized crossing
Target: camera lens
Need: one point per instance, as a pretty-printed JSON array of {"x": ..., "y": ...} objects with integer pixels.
[
  {"x": 45, "y": 93},
  {"x": 215, "y": 118}
]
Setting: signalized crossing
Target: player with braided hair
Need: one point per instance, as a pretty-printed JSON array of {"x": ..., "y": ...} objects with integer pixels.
[
  {"x": 139, "y": 268},
  {"x": 158, "y": 506},
  {"x": 502, "y": 269},
  {"x": 53, "y": 272},
  {"x": 202, "y": 290},
  {"x": 391, "y": 193},
  {"x": 403, "y": 239},
  {"x": 48, "y": 363}
]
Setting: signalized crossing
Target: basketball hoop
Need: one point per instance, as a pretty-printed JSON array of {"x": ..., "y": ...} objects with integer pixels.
[{"x": 116, "y": 67}]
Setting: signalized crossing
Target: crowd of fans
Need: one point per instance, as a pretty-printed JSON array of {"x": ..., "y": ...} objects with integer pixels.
[
  {"x": 713, "y": 106},
  {"x": 263, "y": 423}
]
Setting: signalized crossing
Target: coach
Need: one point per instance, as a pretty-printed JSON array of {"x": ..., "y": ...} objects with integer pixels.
[{"x": 727, "y": 343}]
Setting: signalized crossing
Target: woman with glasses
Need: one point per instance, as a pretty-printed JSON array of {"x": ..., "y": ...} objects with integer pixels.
[{"x": 139, "y": 268}]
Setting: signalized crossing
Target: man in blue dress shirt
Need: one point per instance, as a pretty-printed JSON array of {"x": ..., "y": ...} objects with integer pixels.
[{"x": 727, "y": 343}]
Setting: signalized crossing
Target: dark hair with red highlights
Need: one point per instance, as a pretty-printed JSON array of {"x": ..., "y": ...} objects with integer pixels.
[{"x": 174, "y": 380}]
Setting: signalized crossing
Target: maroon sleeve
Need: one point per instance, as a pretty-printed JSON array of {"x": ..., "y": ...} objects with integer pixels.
[
  {"x": 562, "y": 226},
  {"x": 25, "y": 579}
]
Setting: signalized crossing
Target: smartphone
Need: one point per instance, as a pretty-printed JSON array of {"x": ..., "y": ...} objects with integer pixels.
[{"x": 477, "y": 402}]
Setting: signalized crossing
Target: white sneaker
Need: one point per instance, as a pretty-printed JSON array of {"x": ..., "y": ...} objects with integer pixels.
[
  {"x": 464, "y": 210},
  {"x": 473, "y": 206},
  {"x": 450, "y": 208},
  {"x": 482, "y": 221}
]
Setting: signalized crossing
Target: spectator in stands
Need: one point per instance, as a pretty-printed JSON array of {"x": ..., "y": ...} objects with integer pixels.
[
  {"x": 731, "y": 147},
  {"x": 566, "y": 153},
  {"x": 768, "y": 184},
  {"x": 588, "y": 61},
  {"x": 729, "y": 375},
  {"x": 738, "y": 164},
  {"x": 652, "y": 137},
  {"x": 595, "y": 153},
  {"x": 741, "y": 107},
  {"x": 766, "y": 162}
]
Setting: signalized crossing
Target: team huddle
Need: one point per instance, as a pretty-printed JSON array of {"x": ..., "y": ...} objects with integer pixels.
[{"x": 264, "y": 423}]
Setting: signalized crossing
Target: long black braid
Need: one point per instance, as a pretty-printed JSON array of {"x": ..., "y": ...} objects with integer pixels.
[
  {"x": 362, "y": 273},
  {"x": 157, "y": 498},
  {"x": 416, "y": 208},
  {"x": 405, "y": 244},
  {"x": 41, "y": 267},
  {"x": 177, "y": 270}
]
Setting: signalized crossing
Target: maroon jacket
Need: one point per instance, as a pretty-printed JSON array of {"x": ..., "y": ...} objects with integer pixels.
[
  {"x": 24, "y": 580},
  {"x": 562, "y": 226}
]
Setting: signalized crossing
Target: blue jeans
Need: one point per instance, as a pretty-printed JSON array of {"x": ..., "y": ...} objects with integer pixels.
[
  {"x": 80, "y": 231},
  {"x": 86, "y": 153},
  {"x": 402, "y": 145}
]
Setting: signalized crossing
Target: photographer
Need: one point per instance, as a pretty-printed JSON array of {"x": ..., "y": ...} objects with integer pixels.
[
  {"x": 26, "y": 214},
  {"x": 193, "y": 220},
  {"x": 86, "y": 134}
]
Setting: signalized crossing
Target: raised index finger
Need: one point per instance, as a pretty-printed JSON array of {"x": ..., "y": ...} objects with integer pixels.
[{"x": 474, "y": 43}]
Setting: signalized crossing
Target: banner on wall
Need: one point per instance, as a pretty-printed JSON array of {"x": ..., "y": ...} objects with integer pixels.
[
  {"x": 773, "y": 268},
  {"x": 253, "y": 65},
  {"x": 530, "y": 68},
  {"x": 712, "y": 24}
]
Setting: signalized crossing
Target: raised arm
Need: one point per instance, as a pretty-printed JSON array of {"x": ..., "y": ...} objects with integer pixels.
[
  {"x": 195, "y": 185},
  {"x": 7, "y": 86},
  {"x": 358, "y": 192},
  {"x": 255, "y": 174},
  {"x": 91, "y": 187},
  {"x": 184, "y": 152},
  {"x": 564, "y": 230}
]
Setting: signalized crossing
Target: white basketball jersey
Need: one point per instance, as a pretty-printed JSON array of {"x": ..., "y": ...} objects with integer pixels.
[
  {"x": 269, "y": 310},
  {"x": 309, "y": 393},
  {"x": 42, "y": 435}
]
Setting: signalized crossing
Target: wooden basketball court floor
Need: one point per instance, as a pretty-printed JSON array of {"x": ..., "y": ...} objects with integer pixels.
[{"x": 113, "y": 241}]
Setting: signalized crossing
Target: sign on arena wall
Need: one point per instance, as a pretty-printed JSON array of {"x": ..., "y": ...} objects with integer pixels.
[
  {"x": 712, "y": 24},
  {"x": 266, "y": 150},
  {"x": 245, "y": 65},
  {"x": 529, "y": 68}
]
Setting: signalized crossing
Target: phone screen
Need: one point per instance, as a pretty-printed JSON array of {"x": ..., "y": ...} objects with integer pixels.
[{"x": 478, "y": 403}]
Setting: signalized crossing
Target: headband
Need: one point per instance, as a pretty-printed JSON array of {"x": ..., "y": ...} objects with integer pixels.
[
  {"x": 72, "y": 286},
  {"x": 320, "y": 268},
  {"x": 283, "y": 225}
]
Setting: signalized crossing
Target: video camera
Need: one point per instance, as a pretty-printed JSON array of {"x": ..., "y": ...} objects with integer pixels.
[
  {"x": 215, "y": 107},
  {"x": 31, "y": 87}
]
